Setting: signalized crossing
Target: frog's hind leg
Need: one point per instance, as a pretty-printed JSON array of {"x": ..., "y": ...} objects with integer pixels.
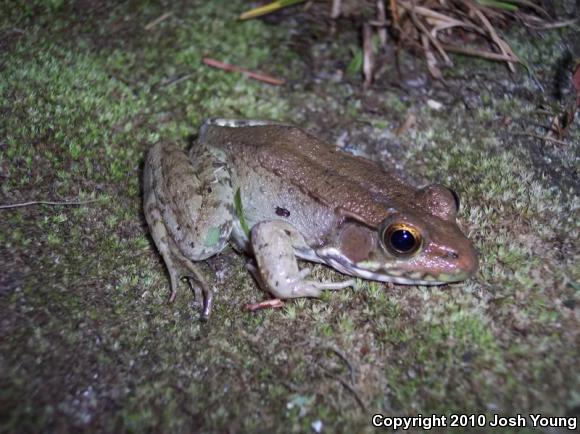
[
  {"x": 161, "y": 239},
  {"x": 188, "y": 204},
  {"x": 201, "y": 290},
  {"x": 274, "y": 244}
]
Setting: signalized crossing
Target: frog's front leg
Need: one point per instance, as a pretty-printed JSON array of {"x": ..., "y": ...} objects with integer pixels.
[
  {"x": 274, "y": 244},
  {"x": 188, "y": 204}
]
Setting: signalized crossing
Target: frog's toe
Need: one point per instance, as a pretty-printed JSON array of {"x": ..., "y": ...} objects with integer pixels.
[
  {"x": 174, "y": 278},
  {"x": 306, "y": 289},
  {"x": 331, "y": 286},
  {"x": 304, "y": 273},
  {"x": 197, "y": 292},
  {"x": 310, "y": 288},
  {"x": 203, "y": 295},
  {"x": 207, "y": 302}
]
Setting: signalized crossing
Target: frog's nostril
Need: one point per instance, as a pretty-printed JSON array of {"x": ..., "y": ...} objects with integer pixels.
[
  {"x": 469, "y": 261},
  {"x": 452, "y": 255}
]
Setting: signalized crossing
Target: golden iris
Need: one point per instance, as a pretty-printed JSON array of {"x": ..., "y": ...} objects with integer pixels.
[{"x": 402, "y": 239}]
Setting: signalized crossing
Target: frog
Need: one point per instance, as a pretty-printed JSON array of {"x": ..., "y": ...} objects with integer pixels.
[{"x": 278, "y": 193}]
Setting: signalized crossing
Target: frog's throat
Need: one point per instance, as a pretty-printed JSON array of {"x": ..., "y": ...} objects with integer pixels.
[{"x": 336, "y": 260}]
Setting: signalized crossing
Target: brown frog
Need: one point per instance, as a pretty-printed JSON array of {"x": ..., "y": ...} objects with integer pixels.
[{"x": 281, "y": 194}]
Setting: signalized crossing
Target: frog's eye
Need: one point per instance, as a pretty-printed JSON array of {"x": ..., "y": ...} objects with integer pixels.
[{"x": 402, "y": 239}]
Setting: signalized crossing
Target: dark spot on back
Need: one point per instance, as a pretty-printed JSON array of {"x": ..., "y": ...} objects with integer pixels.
[{"x": 282, "y": 212}]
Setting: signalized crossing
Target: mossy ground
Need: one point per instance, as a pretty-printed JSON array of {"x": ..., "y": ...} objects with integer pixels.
[{"x": 88, "y": 341}]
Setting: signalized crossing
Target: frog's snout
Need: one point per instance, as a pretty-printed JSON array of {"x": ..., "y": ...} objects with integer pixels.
[
  {"x": 447, "y": 264},
  {"x": 467, "y": 261}
]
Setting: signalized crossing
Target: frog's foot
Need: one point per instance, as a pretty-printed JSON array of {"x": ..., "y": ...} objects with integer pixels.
[
  {"x": 200, "y": 288},
  {"x": 195, "y": 279},
  {"x": 176, "y": 263},
  {"x": 274, "y": 244},
  {"x": 265, "y": 304}
]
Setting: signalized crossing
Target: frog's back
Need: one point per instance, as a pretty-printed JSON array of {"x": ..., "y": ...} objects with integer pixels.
[{"x": 356, "y": 185}]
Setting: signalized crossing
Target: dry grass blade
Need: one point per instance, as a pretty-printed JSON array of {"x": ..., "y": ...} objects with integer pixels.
[
  {"x": 440, "y": 27},
  {"x": 542, "y": 25},
  {"x": 417, "y": 22},
  {"x": 532, "y": 6},
  {"x": 158, "y": 20},
  {"x": 537, "y": 136},
  {"x": 430, "y": 57},
  {"x": 433, "y": 20},
  {"x": 438, "y": 20},
  {"x": 46, "y": 202},
  {"x": 498, "y": 4},
  {"x": 395, "y": 12},
  {"x": 477, "y": 53},
  {"x": 502, "y": 45},
  {"x": 382, "y": 17},
  {"x": 368, "y": 55},
  {"x": 336, "y": 9},
  {"x": 268, "y": 8}
]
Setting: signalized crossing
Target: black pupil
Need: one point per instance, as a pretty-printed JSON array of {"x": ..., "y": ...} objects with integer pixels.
[{"x": 402, "y": 240}]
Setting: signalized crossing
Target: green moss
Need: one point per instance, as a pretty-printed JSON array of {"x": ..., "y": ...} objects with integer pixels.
[{"x": 89, "y": 336}]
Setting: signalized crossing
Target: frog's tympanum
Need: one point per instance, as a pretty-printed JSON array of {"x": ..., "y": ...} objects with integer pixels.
[{"x": 280, "y": 194}]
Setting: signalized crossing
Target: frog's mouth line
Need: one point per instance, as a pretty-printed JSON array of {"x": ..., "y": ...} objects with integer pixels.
[{"x": 334, "y": 259}]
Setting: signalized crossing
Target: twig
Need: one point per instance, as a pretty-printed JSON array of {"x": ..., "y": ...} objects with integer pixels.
[
  {"x": 433, "y": 17},
  {"x": 45, "y": 202},
  {"x": 353, "y": 391},
  {"x": 554, "y": 25},
  {"x": 431, "y": 38},
  {"x": 479, "y": 53},
  {"x": 177, "y": 80},
  {"x": 268, "y": 8},
  {"x": 395, "y": 12},
  {"x": 347, "y": 386},
  {"x": 503, "y": 46},
  {"x": 368, "y": 54},
  {"x": 430, "y": 57},
  {"x": 343, "y": 357},
  {"x": 532, "y": 6},
  {"x": 336, "y": 9},
  {"x": 265, "y": 304},
  {"x": 251, "y": 74},
  {"x": 377, "y": 23},
  {"x": 409, "y": 121},
  {"x": 537, "y": 136},
  {"x": 382, "y": 17},
  {"x": 158, "y": 20},
  {"x": 17, "y": 30}
]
